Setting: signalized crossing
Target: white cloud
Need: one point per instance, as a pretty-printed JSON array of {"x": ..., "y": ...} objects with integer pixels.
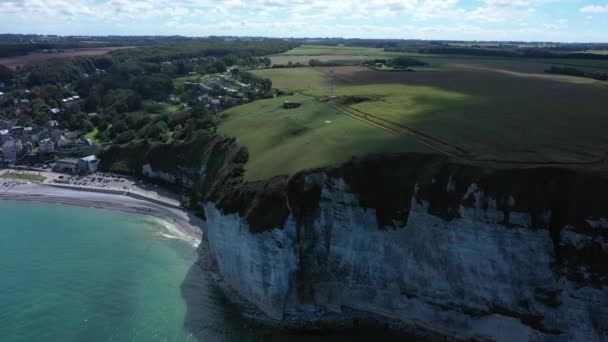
[
  {"x": 437, "y": 19},
  {"x": 595, "y": 9}
]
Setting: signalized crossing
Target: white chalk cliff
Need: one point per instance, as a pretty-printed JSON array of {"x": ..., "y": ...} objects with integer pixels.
[{"x": 468, "y": 277}]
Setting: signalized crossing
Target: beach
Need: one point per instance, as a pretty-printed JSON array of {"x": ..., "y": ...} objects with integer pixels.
[{"x": 179, "y": 222}]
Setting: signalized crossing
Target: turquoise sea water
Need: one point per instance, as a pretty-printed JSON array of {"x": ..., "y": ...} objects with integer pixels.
[{"x": 79, "y": 274}]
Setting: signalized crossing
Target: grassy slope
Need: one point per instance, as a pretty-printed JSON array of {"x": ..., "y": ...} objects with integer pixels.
[
  {"x": 286, "y": 141},
  {"x": 493, "y": 109}
]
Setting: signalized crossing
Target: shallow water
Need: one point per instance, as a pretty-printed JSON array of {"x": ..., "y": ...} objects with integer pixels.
[{"x": 79, "y": 274}]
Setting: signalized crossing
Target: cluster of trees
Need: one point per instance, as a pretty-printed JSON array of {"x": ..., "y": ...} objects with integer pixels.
[
  {"x": 514, "y": 52},
  {"x": 400, "y": 62},
  {"x": 213, "y": 47},
  {"x": 289, "y": 64},
  {"x": 576, "y": 72},
  {"x": 21, "y": 44}
]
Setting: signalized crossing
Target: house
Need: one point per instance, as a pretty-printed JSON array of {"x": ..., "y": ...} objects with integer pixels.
[
  {"x": 17, "y": 130},
  {"x": 66, "y": 165},
  {"x": 55, "y": 111},
  {"x": 84, "y": 141},
  {"x": 27, "y": 131},
  {"x": 53, "y": 123},
  {"x": 92, "y": 115},
  {"x": 1, "y": 93},
  {"x": 4, "y": 135},
  {"x": 20, "y": 103},
  {"x": 62, "y": 141},
  {"x": 28, "y": 147},
  {"x": 12, "y": 150},
  {"x": 205, "y": 99},
  {"x": 46, "y": 146},
  {"x": 215, "y": 102},
  {"x": 88, "y": 164}
]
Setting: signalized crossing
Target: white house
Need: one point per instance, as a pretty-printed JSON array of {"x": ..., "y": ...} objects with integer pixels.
[
  {"x": 88, "y": 164},
  {"x": 4, "y": 135}
]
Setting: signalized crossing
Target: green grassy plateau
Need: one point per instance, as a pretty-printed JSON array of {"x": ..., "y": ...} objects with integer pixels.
[{"x": 284, "y": 141}]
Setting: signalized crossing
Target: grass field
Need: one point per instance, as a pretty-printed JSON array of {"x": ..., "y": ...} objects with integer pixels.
[
  {"x": 23, "y": 176},
  {"x": 321, "y": 50},
  {"x": 482, "y": 108},
  {"x": 284, "y": 141},
  {"x": 337, "y": 55},
  {"x": 491, "y": 112},
  {"x": 92, "y": 135},
  {"x": 296, "y": 79},
  {"x": 596, "y": 52}
]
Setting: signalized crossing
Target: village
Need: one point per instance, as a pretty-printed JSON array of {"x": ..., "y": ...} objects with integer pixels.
[
  {"x": 52, "y": 145},
  {"x": 39, "y": 144}
]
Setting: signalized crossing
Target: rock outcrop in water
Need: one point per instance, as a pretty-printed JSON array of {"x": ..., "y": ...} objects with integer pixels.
[{"x": 463, "y": 251}]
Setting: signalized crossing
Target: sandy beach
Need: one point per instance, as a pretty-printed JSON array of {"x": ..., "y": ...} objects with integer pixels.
[{"x": 180, "y": 223}]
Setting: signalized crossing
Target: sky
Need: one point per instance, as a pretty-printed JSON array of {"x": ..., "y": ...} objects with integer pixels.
[{"x": 521, "y": 20}]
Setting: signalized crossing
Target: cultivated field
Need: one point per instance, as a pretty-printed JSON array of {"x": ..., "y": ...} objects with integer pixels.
[
  {"x": 284, "y": 141},
  {"x": 296, "y": 79},
  {"x": 484, "y": 109},
  {"x": 321, "y": 50},
  {"x": 13, "y": 62},
  {"x": 335, "y": 54}
]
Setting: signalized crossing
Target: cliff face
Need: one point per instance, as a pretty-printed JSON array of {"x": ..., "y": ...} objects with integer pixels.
[{"x": 460, "y": 250}]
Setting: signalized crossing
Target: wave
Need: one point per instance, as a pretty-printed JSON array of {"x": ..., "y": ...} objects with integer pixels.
[{"x": 173, "y": 232}]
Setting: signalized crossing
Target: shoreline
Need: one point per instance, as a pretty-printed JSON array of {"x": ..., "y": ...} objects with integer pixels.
[{"x": 186, "y": 225}]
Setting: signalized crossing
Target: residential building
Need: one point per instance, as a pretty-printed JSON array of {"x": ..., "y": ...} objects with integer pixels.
[
  {"x": 62, "y": 141},
  {"x": 84, "y": 141},
  {"x": 46, "y": 146},
  {"x": 17, "y": 130},
  {"x": 88, "y": 164},
  {"x": 12, "y": 150},
  {"x": 27, "y": 147},
  {"x": 4, "y": 135},
  {"x": 66, "y": 165}
]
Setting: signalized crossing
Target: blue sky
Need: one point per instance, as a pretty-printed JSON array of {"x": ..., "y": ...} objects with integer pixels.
[{"x": 527, "y": 20}]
